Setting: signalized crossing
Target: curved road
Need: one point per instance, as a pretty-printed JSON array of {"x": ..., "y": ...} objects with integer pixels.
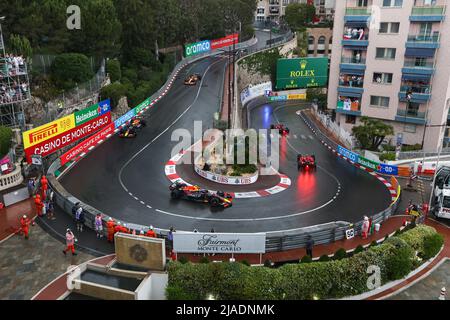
[{"x": 125, "y": 177}]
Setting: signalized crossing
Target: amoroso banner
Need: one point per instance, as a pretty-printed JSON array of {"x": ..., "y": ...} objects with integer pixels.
[
  {"x": 190, "y": 242},
  {"x": 55, "y": 143}
]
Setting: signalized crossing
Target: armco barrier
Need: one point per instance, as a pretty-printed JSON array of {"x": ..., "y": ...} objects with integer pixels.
[{"x": 275, "y": 241}]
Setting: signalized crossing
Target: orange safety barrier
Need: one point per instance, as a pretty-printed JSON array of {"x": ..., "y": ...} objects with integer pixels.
[{"x": 404, "y": 171}]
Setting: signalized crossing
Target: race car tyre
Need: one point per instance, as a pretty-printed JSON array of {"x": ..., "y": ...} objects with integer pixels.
[
  {"x": 214, "y": 202},
  {"x": 175, "y": 194}
]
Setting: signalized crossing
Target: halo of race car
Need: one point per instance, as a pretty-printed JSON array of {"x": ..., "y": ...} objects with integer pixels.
[{"x": 131, "y": 128}]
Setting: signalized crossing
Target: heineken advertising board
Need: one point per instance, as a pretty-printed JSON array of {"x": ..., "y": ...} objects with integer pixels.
[
  {"x": 302, "y": 73},
  {"x": 92, "y": 112}
]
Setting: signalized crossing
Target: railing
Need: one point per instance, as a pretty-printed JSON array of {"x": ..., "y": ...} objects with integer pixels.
[
  {"x": 12, "y": 179},
  {"x": 424, "y": 11},
  {"x": 357, "y": 11},
  {"x": 423, "y": 38},
  {"x": 410, "y": 114},
  {"x": 415, "y": 64},
  {"x": 353, "y": 60},
  {"x": 352, "y": 83},
  {"x": 416, "y": 89}
]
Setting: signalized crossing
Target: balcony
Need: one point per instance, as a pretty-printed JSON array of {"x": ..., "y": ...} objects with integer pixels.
[
  {"x": 360, "y": 41},
  {"x": 423, "y": 41},
  {"x": 353, "y": 65},
  {"x": 427, "y": 14},
  {"x": 357, "y": 14},
  {"x": 351, "y": 85},
  {"x": 411, "y": 116},
  {"x": 423, "y": 69},
  {"x": 350, "y": 106},
  {"x": 420, "y": 93}
]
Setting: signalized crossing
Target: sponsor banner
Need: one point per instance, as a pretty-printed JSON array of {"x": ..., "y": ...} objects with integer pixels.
[
  {"x": 92, "y": 112},
  {"x": 197, "y": 48},
  {"x": 189, "y": 242},
  {"x": 126, "y": 117},
  {"x": 48, "y": 131},
  {"x": 348, "y": 154},
  {"x": 298, "y": 96},
  {"x": 368, "y": 163},
  {"x": 278, "y": 98},
  {"x": 52, "y": 145},
  {"x": 224, "y": 179},
  {"x": 142, "y": 106},
  {"x": 225, "y": 42},
  {"x": 302, "y": 73},
  {"x": 86, "y": 144},
  {"x": 388, "y": 169},
  {"x": 252, "y": 92}
]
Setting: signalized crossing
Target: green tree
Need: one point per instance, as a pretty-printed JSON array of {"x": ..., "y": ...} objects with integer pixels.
[
  {"x": 20, "y": 45},
  {"x": 115, "y": 91},
  {"x": 264, "y": 63},
  {"x": 113, "y": 69},
  {"x": 371, "y": 133},
  {"x": 69, "y": 69},
  {"x": 317, "y": 95},
  {"x": 298, "y": 15},
  {"x": 5, "y": 140}
]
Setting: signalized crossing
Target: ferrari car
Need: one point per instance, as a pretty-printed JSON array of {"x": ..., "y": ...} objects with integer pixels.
[
  {"x": 192, "y": 79},
  {"x": 306, "y": 162},
  {"x": 196, "y": 194},
  {"x": 281, "y": 128}
]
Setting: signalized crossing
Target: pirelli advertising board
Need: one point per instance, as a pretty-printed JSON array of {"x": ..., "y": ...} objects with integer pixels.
[
  {"x": 49, "y": 138},
  {"x": 301, "y": 73}
]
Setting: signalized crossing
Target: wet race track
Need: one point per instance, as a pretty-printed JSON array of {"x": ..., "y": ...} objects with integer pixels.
[{"x": 125, "y": 178}]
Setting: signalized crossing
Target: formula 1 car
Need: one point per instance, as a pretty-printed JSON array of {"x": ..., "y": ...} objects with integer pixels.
[
  {"x": 138, "y": 123},
  {"x": 306, "y": 162},
  {"x": 192, "y": 79},
  {"x": 196, "y": 194},
  {"x": 128, "y": 131},
  {"x": 281, "y": 128}
]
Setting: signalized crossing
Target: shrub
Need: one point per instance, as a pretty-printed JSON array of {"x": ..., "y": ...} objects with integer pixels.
[
  {"x": 358, "y": 249},
  {"x": 267, "y": 263},
  {"x": 69, "y": 69},
  {"x": 431, "y": 245},
  {"x": 306, "y": 259},
  {"x": 387, "y": 147},
  {"x": 5, "y": 140},
  {"x": 414, "y": 147},
  {"x": 324, "y": 258},
  {"x": 374, "y": 243},
  {"x": 400, "y": 260},
  {"x": 204, "y": 260},
  {"x": 183, "y": 260},
  {"x": 389, "y": 156},
  {"x": 340, "y": 254},
  {"x": 114, "y": 91},
  {"x": 246, "y": 263}
]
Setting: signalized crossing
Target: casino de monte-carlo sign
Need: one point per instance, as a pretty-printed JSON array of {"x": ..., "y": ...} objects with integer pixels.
[{"x": 190, "y": 242}]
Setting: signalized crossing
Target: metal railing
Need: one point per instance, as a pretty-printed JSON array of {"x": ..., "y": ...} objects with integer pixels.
[
  {"x": 353, "y": 60},
  {"x": 411, "y": 114},
  {"x": 414, "y": 64},
  {"x": 423, "y": 11},
  {"x": 357, "y": 11},
  {"x": 420, "y": 89},
  {"x": 422, "y": 38}
]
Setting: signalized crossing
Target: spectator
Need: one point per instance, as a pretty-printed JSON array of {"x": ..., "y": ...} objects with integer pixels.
[
  {"x": 70, "y": 242},
  {"x": 79, "y": 218},
  {"x": 170, "y": 237},
  {"x": 309, "y": 246},
  {"x": 99, "y": 225},
  {"x": 50, "y": 210},
  {"x": 151, "y": 233}
]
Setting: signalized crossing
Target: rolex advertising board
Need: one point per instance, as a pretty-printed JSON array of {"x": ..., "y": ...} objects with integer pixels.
[{"x": 302, "y": 73}]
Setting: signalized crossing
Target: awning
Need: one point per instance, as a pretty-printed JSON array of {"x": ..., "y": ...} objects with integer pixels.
[
  {"x": 356, "y": 24},
  {"x": 352, "y": 71},
  {"x": 416, "y": 77},
  {"x": 343, "y": 93},
  {"x": 354, "y": 47},
  {"x": 420, "y": 52}
]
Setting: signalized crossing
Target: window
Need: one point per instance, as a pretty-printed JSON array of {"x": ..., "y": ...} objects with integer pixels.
[
  {"x": 386, "y": 53},
  {"x": 350, "y": 119},
  {"x": 425, "y": 28},
  {"x": 389, "y": 27},
  {"x": 413, "y": 109},
  {"x": 260, "y": 11},
  {"x": 395, "y": 27},
  {"x": 362, "y": 3},
  {"x": 311, "y": 40},
  {"x": 411, "y": 128},
  {"x": 382, "y": 102},
  {"x": 384, "y": 78},
  {"x": 392, "y": 3},
  {"x": 322, "y": 40}
]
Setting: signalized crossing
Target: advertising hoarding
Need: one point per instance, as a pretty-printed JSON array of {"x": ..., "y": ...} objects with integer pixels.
[
  {"x": 197, "y": 48},
  {"x": 142, "y": 106},
  {"x": 348, "y": 154},
  {"x": 92, "y": 112},
  {"x": 84, "y": 146},
  {"x": 47, "y": 131},
  {"x": 225, "y": 41},
  {"x": 301, "y": 73},
  {"x": 252, "y": 92},
  {"x": 190, "y": 242},
  {"x": 126, "y": 117},
  {"x": 55, "y": 143}
]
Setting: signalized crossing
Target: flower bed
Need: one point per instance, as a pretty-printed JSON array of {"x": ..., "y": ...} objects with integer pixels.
[{"x": 395, "y": 257}]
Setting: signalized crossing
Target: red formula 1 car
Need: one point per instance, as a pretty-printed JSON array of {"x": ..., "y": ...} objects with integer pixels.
[
  {"x": 196, "y": 194},
  {"x": 281, "y": 128},
  {"x": 306, "y": 162}
]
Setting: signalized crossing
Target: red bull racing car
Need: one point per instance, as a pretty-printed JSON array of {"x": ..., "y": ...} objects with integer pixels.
[
  {"x": 281, "y": 128},
  {"x": 130, "y": 130},
  {"x": 306, "y": 162},
  {"x": 196, "y": 194}
]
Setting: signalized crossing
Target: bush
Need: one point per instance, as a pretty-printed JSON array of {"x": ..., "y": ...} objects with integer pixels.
[
  {"x": 267, "y": 263},
  {"x": 388, "y": 156},
  {"x": 5, "y": 140},
  {"x": 431, "y": 245},
  {"x": 358, "y": 249},
  {"x": 113, "y": 69},
  {"x": 70, "y": 69},
  {"x": 325, "y": 280},
  {"x": 183, "y": 260},
  {"x": 387, "y": 147},
  {"x": 245, "y": 263},
  {"x": 306, "y": 259},
  {"x": 374, "y": 243},
  {"x": 324, "y": 258},
  {"x": 340, "y": 254},
  {"x": 204, "y": 260},
  {"x": 415, "y": 147},
  {"x": 114, "y": 91}
]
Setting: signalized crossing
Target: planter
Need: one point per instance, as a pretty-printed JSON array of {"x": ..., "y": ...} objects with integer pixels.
[{"x": 229, "y": 180}]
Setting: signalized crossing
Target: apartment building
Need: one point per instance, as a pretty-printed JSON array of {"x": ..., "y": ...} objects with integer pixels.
[
  {"x": 391, "y": 61},
  {"x": 272, "y": 10}
]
